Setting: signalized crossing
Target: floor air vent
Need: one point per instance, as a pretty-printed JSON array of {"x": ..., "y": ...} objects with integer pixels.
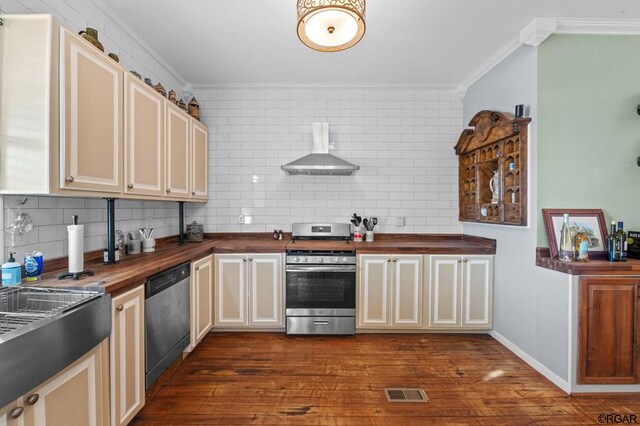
[{"x": 405, "y": 395}]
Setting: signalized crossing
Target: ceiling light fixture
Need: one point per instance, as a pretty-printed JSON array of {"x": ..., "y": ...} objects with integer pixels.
[{"x": 331, "y": 25}]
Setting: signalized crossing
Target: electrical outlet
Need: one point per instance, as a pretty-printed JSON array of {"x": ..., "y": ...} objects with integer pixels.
[
  {"x": 400, "y": 221},
  {"x": 241, "y": 219}
]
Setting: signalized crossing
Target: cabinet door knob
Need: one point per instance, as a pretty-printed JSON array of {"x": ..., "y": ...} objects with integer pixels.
[
  {"x": 168, "y": 190},
  {"x": 395, "y": 260},
  {"x": 16, "y": 412},
  {"x": 459, "y": 260},
  {"x": 465, "y": 260},
  {"x": 244, "y": 259},
  {"x": 120, "y": 308},
  {"x": 197, "y": 268},
  {"x": 193, "y": 192},
  {"x": 32, "y": 399},
  {"x": 130, "y": 186},
  {"x": 70, "y": 179},
  {"x": 388, "y": 260},
  {"x": 251, "y": 259}
]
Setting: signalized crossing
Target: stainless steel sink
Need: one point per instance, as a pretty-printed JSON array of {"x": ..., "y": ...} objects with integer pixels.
[{"x": 43, "y": 330}]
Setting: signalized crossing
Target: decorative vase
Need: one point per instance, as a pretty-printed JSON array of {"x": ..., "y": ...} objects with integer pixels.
[
  {"x": 160, "y": 89},
  {"x": 148, "y": 81},
  {"x": 182, "y": 105},
  {"x": 172, "y": 96},
  {"x": 114, "y": 57},
  {"x": 194, "y": 108},
  {"x": 91, "y": 35}
]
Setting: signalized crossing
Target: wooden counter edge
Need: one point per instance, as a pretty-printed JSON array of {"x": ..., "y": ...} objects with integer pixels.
[{"x": 597, "y": 266}]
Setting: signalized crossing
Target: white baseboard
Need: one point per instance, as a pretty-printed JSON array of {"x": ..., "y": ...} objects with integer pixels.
[{"x": 540, "y": 368}]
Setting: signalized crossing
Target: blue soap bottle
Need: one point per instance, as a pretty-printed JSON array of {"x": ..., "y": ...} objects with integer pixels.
[{"x": 11, "y": 271}]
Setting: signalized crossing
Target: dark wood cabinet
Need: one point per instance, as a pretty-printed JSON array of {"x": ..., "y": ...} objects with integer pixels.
[
  {"x": 609, "y": 330},
  {"x": 493, "y": 169}
]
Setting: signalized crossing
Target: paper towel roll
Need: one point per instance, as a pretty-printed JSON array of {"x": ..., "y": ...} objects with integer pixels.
[{"x": 76, "y": 248}]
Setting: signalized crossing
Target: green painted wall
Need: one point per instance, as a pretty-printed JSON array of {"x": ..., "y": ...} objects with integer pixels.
[{"x": 588, "y": 128}]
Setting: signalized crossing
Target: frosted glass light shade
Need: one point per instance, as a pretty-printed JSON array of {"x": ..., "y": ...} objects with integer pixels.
[{"x": 331, "y": 25}]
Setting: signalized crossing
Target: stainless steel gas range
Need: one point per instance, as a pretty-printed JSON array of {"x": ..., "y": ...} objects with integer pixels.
[{"x": 321, "y": 280}]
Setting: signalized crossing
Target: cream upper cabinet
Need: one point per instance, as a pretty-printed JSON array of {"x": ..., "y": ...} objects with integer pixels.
[
  {"x": 13, "y": 414},
  {"x": 177, "y": 152},
  {"x": 461, "y": 291},
  {"x": 201, "y": 299},
  {"x": 90, "y": 116},
  {"x": 390, "y": 291},
  {"x": 199, "y": 160},
  {"x": 248, "y": 290},
  {"x": 127, "y": 356},
  {"x": 143, "y": 138},
  {"x": 77, "y": 396}
]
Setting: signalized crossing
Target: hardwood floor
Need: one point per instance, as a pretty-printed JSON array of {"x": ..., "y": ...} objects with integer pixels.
[{"x": 272, "y": 379}]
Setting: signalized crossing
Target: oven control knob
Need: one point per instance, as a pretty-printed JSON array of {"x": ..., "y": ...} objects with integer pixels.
[
  {"x": 305, "y": 259},
  {"x": 296, "y": 259},
  {"x": 336, "y": 260},
  {"x": 344, "y": 259},
  {"x": 321, "y": 260}
]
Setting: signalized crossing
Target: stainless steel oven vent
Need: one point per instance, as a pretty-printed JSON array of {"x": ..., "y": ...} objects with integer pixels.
[
  {"x": 405, "y": 395},
  {"x": 320, "y": 162}
]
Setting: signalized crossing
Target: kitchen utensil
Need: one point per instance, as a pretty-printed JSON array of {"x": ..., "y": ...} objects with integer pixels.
[
  {"x": 365, "y": 222},
  {"x": 375, "y": 222},
  {"x": 146, "y": 232},
  {"x": 358, "y": 218},
  {"x": 354, "y": 222}
]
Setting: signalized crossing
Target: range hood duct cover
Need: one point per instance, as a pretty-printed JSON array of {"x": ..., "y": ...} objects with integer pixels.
[{"x": 320, "y": 162}]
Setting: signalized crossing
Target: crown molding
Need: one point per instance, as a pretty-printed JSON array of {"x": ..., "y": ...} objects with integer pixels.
[
  {"x": 537, "y": 31},
  {"x": 137, "y": 38},
  {"x": 505, "y": 51},
  {"x": 598, "y": 26},
  {"x": 445, "y": 88}
]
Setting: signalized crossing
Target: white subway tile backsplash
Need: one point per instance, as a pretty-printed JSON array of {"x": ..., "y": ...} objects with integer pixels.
[{"x": 402, "y": 139}]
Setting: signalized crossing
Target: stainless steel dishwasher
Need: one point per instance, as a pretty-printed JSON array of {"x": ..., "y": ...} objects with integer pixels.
[{"x": 166, "y": 319}]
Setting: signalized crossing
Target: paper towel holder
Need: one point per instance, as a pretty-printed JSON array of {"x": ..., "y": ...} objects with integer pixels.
[{"x": 75, "y": 275}]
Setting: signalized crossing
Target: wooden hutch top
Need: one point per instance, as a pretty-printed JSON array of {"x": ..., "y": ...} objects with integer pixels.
[{"x": 493, "y": 169}]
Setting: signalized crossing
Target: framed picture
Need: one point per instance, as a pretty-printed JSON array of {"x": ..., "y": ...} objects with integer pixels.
[{"x": 592, "y": 220}]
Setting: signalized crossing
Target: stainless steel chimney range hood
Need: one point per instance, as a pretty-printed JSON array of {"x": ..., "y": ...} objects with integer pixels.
[{"x": 320, "y": 162}]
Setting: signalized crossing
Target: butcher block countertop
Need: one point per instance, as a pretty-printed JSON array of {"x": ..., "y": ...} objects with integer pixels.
[
  {"x": 133, "y": 270},
  {"x": 595, "y": 265}
]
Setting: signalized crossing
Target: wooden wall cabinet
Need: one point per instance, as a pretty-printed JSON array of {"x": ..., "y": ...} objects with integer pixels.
[
  {"x": 87, "y": 127},
  {"x": 248, "y": 290},
  {"x": 201, "y": 299},
  {"x": 609, "y": 330},
  {"x": 77, "y": 396},
  {"x": 497, "y": 146},
  {"x": 199, "y": 160},
  {"x": 461, "y": 292},
  {"x": 390, "y": 291},
  {"x": 91, "y": 116},
  {"x": 143, "y": 138},
  {"x": 127, "y": 356},
  {"x": 177, "y": 152}
]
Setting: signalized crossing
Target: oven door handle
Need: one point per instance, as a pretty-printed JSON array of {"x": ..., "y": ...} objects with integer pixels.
[{"x": 322, "y": 268}]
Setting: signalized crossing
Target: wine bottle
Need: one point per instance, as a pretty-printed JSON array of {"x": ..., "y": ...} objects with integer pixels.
[
  {"x": 566, "y": 253},
  {"x": 622, "y": 241},
  {"x": 613, "y": 255},
  {"x": 582, "y": 245}
]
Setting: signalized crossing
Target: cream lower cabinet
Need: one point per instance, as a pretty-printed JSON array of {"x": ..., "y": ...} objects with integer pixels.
[
  {"x": 201, "y": 299},
  {"x": 390, "y": 291},
  {"x": 248, "y": 290},
  {"x": 127, "y": 356},
  {"x": 460, "y": 291},
  {"x": 77, "y": 396}
]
